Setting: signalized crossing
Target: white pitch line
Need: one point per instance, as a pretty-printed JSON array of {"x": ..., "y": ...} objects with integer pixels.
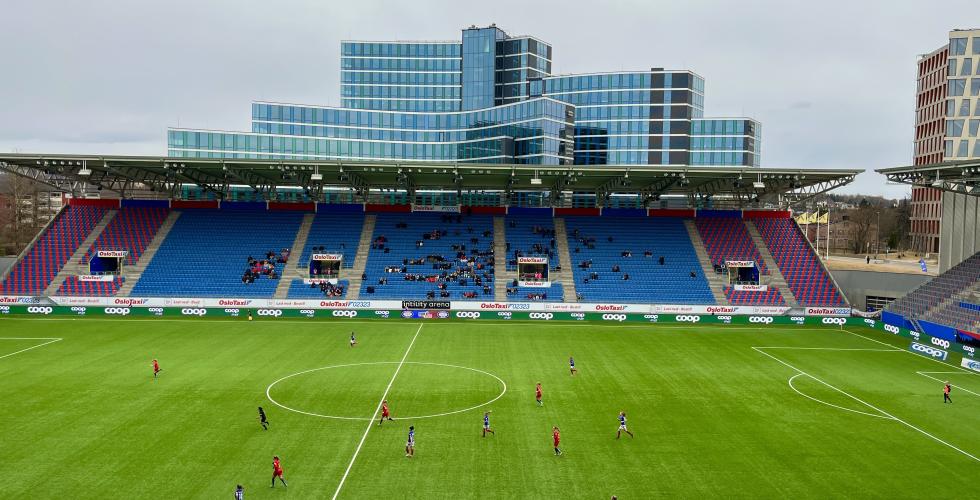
[
  {"x": 823, "y": 348},
  {"x": 376, "y": 410},
  {"x": 869, "y": 405},
  {"x": 941, "y": 380},
  {"x": 790, "y": 382},
  {"x": 51, "y": 341},
  {"x": 948, "y": 365}
]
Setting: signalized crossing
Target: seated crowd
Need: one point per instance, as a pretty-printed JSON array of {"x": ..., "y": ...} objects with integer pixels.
[
  {"x": 266, "y": 267},
  {"x": 329, "y": 289}
]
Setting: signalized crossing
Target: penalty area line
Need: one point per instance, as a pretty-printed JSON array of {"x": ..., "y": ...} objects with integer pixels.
[
  {"x": 869, "y": 405},
  {"x": 960, "y": 387},
  {"x": 370, "y": 424},
  {"x": 50, "y": 340}
]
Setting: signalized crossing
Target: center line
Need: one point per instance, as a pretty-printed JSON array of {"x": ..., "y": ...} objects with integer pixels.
[{"x": 375, "y": 414}]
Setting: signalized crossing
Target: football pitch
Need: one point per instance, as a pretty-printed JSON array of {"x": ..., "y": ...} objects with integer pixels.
[{"x": 720, "y": 411}]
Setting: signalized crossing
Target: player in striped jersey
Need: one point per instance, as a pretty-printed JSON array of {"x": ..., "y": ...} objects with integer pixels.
[
  {"x": 486, "y": 424},
  {"x": 239, "y": 493},
  {"x": 410, "y": 445},
  {"x": 622, "y": 425}
]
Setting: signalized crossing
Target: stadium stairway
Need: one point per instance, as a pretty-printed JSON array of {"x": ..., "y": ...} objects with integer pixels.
[
  {"x": 134, "y": 272},
  {"x": 360, "y": 258},
  {"x": 72, "y": 267},
  {"x": 776, "y": 277},
  {"x": 566, "y": 276},
  {"x": 291, "y": 272},
  {"x": 502, "y": 277},
  {"x": 715, "y": 281}
]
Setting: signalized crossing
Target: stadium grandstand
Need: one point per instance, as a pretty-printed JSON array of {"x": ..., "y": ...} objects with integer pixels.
[{"x": 178, "y": 227}]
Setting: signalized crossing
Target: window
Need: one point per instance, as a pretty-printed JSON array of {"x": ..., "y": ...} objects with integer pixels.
[
  {"x": 975, "y": 87},
  {"x": 964, "y": 149},
  {"x": 951, "y": 68},
  {"x": 976, "y": 45},
  {"x": 974, "y": 128},
  {"x": 957, "y": 86},
  {"x": 967, "y": 68},
  {"x": 957, "y": 46},
  {"x": 965, "y": 107},
  {"x": 948, "y": 149}
]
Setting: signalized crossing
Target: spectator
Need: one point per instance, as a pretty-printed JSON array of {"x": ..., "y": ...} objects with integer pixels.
[
  {"x": 694, "y": 274},
  {"x": 626, "y": 276},
  {"x": 661, "y": 260}
]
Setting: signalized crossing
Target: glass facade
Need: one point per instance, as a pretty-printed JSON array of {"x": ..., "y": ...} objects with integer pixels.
[
  {"x": 961, "y": 138},
  {"x": 489, "y": 97}
]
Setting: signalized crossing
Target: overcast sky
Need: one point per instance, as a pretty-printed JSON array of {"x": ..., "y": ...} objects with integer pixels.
[{"x": 833, "y": 82}]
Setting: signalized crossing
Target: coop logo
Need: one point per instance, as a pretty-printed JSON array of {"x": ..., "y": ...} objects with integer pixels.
[
  {"x": 725, "y": 319},
  {"x": 4, "y": 309},
  {"x": 614, "y": 317},
  {"x": 309, "y": 313},
  {"x": 970, "y": 364},
  {"x": 939, "y": 342},
  {"x": 129, "y": 302},
  {"x": 653, "y": 318},
  {"x": 891, "y": 329},
  {"x": 468, "y": 314},
  {"x": 544, "y": 316},
  {"x": 117, "y": 311},
  {"x": 383, "y": 314},
  {"x": 967, "y": 349},
  {"x": 504, "y": 315},
  {"x": 275, "y": 313},
  {"x": 340, "y": 313},
  {"x": 232, "y": 312},
  {"x": 914, "y": 334},
  {"x": 928, "y": 351},
  {"x": 765, "y": 320},
  {"x": 78, "y": 309},
  {"x": 39, "y": 310},
  {"x": 799, "y": 320},
  {"x": 233, "y": 302},
  {"x": 580, "y": 316},
  {"x": 834, "y": 321},
  {"x": 158, "y": 311},
  {"x": 194, "y": 311},
  {"x": 870, "y": 322},
  {"x": 687, "y": 318}
]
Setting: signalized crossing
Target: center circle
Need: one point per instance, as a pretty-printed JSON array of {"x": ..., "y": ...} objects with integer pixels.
[{"x": 268, "y": 390}]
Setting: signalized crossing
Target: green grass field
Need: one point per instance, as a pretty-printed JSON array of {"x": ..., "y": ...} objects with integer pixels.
[{"x": 714, "y": 415}]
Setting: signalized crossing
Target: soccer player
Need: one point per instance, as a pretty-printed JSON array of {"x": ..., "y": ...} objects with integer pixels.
[
  {"x": 946, "y": 389},
  {"x": 537, "y": 394},
  {"x": 353, "y": 341},
  {"x": 486, "y": 424},
  {"x": 239, "y": 493},
  {"x": 384, "y": 412},
  {"x": 622, "y": 425},
  {"x": 556, "y": 436},
  {"x": 264, "y": 422},
  {"x": 277, "y": 472},
  {"x": 156, "y": 368},
  {"x": 571, "y": 365},
  {"x": 410, "y": 445}
]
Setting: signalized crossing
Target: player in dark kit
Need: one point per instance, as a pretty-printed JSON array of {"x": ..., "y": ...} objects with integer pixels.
[
  {"x": 486, "y": 424},
  {"x": 556, "y": 436},
  {"x": 571, "y": 365},
  {"x": 353, "y": 341},
  {"x": 384, "y": 412},
  {"x": 156, "y": 368},
  {"x": 537, "y": 394},
  {"x": 240, "y": 493},
  {"x": 622, "y": 425},
  {"x": 277, "y": 472},
  {"x": 946, "y": 390},
  {"x": 410, "y": 444},
  {"x": 264, "y": 422}
]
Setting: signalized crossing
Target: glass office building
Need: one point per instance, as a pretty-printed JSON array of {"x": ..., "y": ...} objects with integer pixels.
[{"x": 490, "y": 98}]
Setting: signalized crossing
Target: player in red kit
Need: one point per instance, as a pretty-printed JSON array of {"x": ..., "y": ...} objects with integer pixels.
[
  {"x": 556, "y": 435},
  {"x": 537, "y": 394},
  {"x": 946, "y": 390},
  {"x": 156, "y": 368},
  {"x": 384, "y": 412},
  {"x": 277, "y": 472}
]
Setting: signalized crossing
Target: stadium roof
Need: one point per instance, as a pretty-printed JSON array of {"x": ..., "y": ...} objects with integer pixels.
[
  {"x": 160, "y": 177},
  {"x": 961, "y": 176}
]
